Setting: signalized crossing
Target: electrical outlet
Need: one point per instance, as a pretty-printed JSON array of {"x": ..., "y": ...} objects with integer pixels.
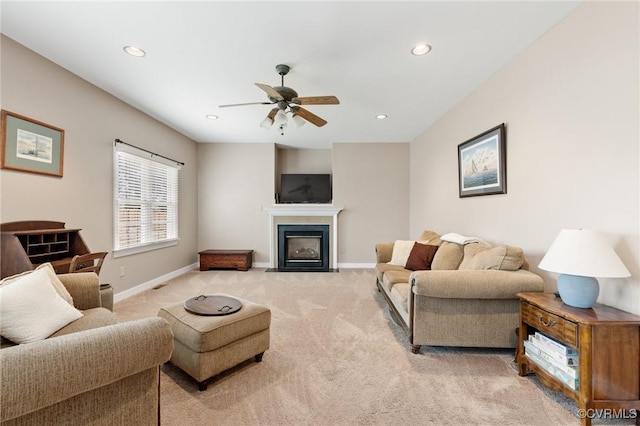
[{"x": 122, "y": 271}]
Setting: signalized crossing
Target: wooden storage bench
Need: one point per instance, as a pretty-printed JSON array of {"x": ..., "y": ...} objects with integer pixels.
[{"x": 226, "y": 259}]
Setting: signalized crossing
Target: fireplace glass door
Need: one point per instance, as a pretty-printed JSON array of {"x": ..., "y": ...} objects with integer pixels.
[{"x": 303, "y": 249}]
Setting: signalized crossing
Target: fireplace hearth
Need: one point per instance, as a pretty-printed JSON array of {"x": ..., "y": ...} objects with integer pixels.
[{"x": 303, "y": 248}]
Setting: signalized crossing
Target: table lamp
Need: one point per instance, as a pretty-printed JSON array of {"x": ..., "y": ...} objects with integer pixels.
[{"x": 579, "y": 256}]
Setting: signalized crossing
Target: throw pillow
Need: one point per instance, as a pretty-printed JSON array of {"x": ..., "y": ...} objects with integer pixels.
[
  {"x": 429, "y": 236},
  {"x": 448, "y": 256},
  {"x": 401, "y": 252},
  {"x": 504, "y": 258},
  {"x": 32, "y": 310},
  {"x": 421, "y": 257},
  {"x": 53, "y": 278}
]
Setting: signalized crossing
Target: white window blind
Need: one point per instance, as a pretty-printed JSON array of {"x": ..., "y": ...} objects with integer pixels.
[{"x": 145, "y": 201}]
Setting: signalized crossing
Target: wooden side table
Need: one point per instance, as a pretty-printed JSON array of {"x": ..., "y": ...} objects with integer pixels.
[
  {"x": 608, "y": 344},
  {"x": 226, "y": 259}
]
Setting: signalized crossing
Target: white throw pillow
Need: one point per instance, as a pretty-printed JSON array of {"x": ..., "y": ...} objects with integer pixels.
[
  {"x": 53, "y": 278},
  {"x": 32, "y": 310},
  {"x": 401, "y": 252}
]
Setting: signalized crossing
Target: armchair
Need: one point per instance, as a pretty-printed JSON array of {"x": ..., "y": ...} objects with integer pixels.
[{"x": 93, "y": 371}]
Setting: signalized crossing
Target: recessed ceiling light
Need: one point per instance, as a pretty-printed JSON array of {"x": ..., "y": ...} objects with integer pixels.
[
  {"x": 212, "y": 117},
  {"x": 420, "y": 49},
  {"x": 381, "y": 116},
  {"x": 134, "y": 51}
]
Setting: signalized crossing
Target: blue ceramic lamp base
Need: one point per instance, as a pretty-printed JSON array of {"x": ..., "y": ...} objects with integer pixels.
[{"x": 578, "y": 291}]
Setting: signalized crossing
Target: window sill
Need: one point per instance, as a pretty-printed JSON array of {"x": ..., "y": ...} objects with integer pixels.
[{"x": 144, "y": 248}]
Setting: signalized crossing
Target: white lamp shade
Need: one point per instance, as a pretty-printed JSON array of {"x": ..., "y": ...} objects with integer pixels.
[
  {"x": 298, "y": 120},
  {"x": 280, "y": 118},
  {"x": 266, "y": 123},
  {"x": 585, "y": 253}
]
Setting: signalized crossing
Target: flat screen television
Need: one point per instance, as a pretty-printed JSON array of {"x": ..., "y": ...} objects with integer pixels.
[{"x": 305, "y": 188}]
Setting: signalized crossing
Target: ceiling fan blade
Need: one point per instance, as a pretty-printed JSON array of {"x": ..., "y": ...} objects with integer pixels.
[
  {"x": 272, "y": 114},
  {"x": 309, "y": 116},
  {"x": 270, "y": 91},
  {"x": 247, "y": 103},
  {"x": 316, "y": 100}
]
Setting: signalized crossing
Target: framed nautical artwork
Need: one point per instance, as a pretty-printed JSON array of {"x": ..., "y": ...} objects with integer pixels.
[
  {"x": 482, "y": 164},
  {"x": 31, "y": 146}
]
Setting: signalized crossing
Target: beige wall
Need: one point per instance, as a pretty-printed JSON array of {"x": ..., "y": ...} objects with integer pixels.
[
  {"x": 570, "y": 103},
  {"x": 292, "y": 160},
  {"x": 371, "y": 182},
  {"x": 83, "y": 198},
  {"x": 235, "y": 184}
]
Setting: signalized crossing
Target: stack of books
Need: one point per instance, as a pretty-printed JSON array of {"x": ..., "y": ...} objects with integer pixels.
[{"x": 559, "y": 360}]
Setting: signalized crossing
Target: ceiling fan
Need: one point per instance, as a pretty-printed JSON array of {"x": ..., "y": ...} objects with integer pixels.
[{"x": 287, "y": 101}]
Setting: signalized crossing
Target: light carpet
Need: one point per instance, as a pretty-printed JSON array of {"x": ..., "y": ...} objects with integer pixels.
[{"x": 337, "y": 358}]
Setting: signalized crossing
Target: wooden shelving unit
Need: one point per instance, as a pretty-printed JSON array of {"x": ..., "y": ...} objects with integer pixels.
[
  {"x": 30, "y": 243},
  {"x": 608, "y": 345}
]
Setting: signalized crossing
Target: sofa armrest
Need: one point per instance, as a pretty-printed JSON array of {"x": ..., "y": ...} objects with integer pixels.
[
  {"x": 384, "y": 251},
  {"x": 40, "y": 374},
  {"x": 484, "y": 284},
  {"x": 84, "y": 287}
]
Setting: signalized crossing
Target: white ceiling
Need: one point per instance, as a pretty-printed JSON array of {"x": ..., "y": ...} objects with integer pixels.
[{"x": 202, "y": 54}]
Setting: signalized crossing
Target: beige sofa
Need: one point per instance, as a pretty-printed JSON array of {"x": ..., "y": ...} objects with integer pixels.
[
  {"x": 467, "y": 298},
  {"x": 93, "y": 371}
]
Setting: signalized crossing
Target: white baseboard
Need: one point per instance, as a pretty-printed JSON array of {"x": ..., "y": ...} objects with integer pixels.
[
  {"x": 154, "y": 282},
  {"x": 356, "y": 265}
]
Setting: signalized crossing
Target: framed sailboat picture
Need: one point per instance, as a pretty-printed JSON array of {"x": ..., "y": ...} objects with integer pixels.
[
  {"x": 482, "y": 164},
  {"x": 31, "y": 146}
]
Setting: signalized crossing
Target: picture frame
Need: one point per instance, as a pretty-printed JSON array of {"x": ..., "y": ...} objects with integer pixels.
[
  {"x": 31, "y": 146},
  {"x": 482, "y": 164}
]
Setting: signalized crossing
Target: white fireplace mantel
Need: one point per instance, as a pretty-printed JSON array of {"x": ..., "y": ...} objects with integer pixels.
[{"x": 303, "y": 210}]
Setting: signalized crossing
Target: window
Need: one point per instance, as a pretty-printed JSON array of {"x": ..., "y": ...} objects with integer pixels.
[{"x": 145, "y": 201}]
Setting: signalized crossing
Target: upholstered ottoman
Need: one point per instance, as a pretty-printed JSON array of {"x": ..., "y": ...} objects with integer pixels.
[{"x": 207, "y": 345}]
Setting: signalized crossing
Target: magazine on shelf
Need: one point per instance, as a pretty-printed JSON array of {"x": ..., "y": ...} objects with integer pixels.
[
  {"x": 554, "y": 345},
  {"x": 563, "y": 377},
  {"x": 567, "y": 363},
  {"x": 570, "y": 360}
]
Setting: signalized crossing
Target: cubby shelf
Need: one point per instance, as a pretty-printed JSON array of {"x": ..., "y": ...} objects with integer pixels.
[{"x": 30, "y": 243}]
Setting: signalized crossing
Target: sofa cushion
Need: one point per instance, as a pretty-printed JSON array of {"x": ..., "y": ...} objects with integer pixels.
[
  {"x": 32, "y": 309},
  {"x": 399, "y": 294},
  {"x": 53, "y": 279},
  {"x": 92, "y": 318},
  {"x": 448, "y": 256},
  {"x": 505, "y": 258},
  {"x": 421, "y": 257},
  {"x": 382, "y": 268},
  {"x": 391, "y": 278},
  {"x": 401, "y": 251}
]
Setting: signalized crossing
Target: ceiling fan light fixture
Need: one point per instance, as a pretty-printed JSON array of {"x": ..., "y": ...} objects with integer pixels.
[
  {"x": 134, "y": 51},
  {"x": 285, "y": 100},
  {"x": 266, "y": 123},
  {"x": 298, "y": 120},
  {"x": 421, "y": 49},
  {"x": 281, "y": 118}
]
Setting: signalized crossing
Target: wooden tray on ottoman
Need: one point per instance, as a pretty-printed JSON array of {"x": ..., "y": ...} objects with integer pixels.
[{"x": 226, "y": 259}]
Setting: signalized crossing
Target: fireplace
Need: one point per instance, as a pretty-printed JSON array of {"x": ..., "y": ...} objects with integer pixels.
[{"x": 303, "y": 247}]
